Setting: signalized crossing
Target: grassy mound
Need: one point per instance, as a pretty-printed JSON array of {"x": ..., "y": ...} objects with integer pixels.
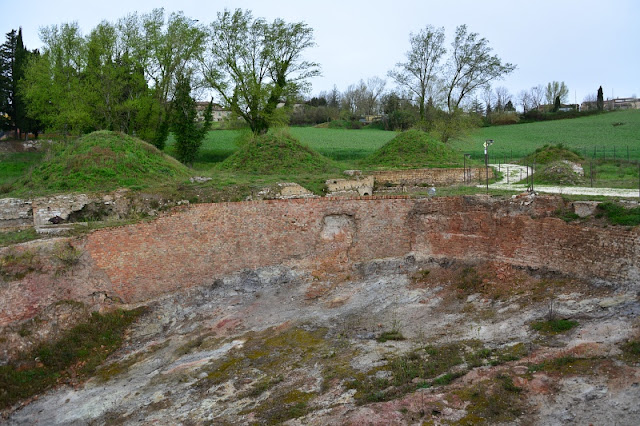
[
  {"x": 413, "y": 149},
  {"x": 100, "y": 161},
  {"x": 276, "y": 153},
  {"x": 560, "y": 172},
  {"x": 552, "y": 153}
]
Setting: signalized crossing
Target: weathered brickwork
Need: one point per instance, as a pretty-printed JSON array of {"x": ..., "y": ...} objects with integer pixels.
[
  {"x": 196, "y": 246},
  {"x": 435, "y": 177},
  {"x": 325, "y": 237}
]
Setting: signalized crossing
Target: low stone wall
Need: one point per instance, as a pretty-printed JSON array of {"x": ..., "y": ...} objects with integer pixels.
[
  {"x": 15, "y": 212},
  {"x": 358, "y": 186}
]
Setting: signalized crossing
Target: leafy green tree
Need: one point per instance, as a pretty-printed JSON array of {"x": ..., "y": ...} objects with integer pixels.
[
  {"x": 419, "y": 73},
  {"x": 556, "y": 89},
  {"x": 556, "y": 104},
  {"x": 600, "y": 101},
  {"x": 254, "y": 65},
  {"x": 53, "y": 82},
  {"x": 471, "y": 67},
  {"x": 189, "y": 135},
  {"x": 168, "y": 50}
]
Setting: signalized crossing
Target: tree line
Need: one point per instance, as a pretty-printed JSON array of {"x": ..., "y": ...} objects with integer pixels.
[
  {"x": 128, "y": 75},
  {"x": 140, "y": 74}
]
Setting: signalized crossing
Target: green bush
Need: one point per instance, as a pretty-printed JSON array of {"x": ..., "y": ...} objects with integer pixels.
[
  {"x": 554, "y": 326},
  {"x": 619, "y": 215}
]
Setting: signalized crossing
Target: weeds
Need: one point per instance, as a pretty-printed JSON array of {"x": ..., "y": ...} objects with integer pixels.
[
  {"x": 20, "y": 236},
  {"x": 554, "y": 326},
  {"x": 390, "y": 335},
  {"x": 631, "y": 351},
  {"x": 17, "y": 265},
  {"x": 78, "y": 352},
  {"x": 618, "y": 215},
  {"x": 67, "y": 255}
]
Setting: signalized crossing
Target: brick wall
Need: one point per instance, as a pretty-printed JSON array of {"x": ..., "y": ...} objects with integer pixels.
[
  {"x": 207, "y": 241},
  {"x": 436, "y": 177},
  {"x": 324, "y": 237}
]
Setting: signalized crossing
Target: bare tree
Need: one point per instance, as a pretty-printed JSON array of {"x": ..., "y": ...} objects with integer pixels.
[
  {"x": 489, "y": 100},
  {"x": 419, "y": 73},
  {"x": 471, "y": 66},
  {"x": 363, "y": 98},
  {"x": 502, "y": 98},
  {"x": 536, "y": 96},
  {"x": 374, "y": 89},
  {"x": 524, "y": 98}
]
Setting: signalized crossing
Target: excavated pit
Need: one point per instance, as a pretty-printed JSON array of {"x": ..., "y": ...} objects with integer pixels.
[{"x": 370, "y": 311}]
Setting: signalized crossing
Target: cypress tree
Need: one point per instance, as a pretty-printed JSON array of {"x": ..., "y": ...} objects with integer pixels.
[
  {"x": 189, "y": 135},
  {"x": 7, "y": 59},
  {"x": 600, "y": 101}
]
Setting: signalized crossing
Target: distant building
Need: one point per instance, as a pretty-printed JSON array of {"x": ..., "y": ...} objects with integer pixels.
[
  {"x": 613, "y": 104},
  {"x": 563, "y": 108},
  {"x": 218, "y": 113}
]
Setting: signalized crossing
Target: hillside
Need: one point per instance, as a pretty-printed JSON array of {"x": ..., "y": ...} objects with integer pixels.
[
  {"x": 99, "y": 161},
  {"x": 603, "y": 132}
]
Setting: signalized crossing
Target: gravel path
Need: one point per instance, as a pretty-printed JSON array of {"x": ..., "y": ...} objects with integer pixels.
[{"x": 515, "y": 172}]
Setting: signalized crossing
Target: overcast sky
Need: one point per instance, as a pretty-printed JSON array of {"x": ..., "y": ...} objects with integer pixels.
[{"x": 585, "y": 43}]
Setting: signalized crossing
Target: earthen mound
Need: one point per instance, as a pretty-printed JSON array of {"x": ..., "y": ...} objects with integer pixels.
[
  {"x": 101, "y": 161},
  {"x": 276, "y": 153},
  {"x": 413, "y": 149}
]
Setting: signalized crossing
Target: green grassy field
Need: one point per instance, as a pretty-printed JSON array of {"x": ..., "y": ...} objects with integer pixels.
[
  {"x": 14, "y": 165},
  {"x": 342, "y": 145},
  {"x": 604, "y": 133},
  {"x": 348, "y": 149}
]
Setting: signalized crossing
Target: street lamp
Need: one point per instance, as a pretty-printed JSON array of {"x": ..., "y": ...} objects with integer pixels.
[{"x": 486, "y": 145}]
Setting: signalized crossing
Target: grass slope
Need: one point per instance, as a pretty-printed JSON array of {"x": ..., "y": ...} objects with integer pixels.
[
  {"x": 412, "y": 149},
  {"x": 552, "y": 153},
  {"x": 603, "y": 132},
  {"x": 99, "y": 161},
  {"x": 336, "y": 144},
  {"x": 276, "y": 153}
]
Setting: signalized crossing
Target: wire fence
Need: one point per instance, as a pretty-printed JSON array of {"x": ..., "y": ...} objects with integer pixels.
[
  {"x": 599, "y": 152},
  {"x": 591, "y": 175}
]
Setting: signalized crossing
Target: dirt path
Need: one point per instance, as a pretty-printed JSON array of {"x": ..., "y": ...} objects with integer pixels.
[{"x": 515, "y": 173}]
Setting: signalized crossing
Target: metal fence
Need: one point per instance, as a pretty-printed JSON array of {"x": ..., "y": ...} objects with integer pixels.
[{"x": 623, "y": 153}]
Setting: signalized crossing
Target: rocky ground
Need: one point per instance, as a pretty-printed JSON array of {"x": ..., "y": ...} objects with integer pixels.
[{"x": 400, "y": 341}]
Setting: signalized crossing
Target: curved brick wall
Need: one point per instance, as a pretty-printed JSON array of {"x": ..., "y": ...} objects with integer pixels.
[{"x": 195, "y": 246}]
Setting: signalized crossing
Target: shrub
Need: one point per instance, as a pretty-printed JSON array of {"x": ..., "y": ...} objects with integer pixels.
[
  {"x": 85, "y": 346},
  {"x": 554, "y": 326},
  {"x": 618, "y": 215}
]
